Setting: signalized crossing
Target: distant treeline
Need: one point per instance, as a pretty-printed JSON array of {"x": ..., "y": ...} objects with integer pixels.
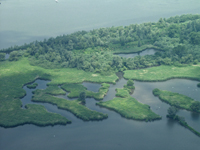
[{"x": 178, "y": 37}]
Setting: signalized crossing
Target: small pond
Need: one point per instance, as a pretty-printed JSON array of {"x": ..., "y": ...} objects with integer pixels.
[
  {"x": 142, "y": 53},
  {"x": 7, "y": 56}
]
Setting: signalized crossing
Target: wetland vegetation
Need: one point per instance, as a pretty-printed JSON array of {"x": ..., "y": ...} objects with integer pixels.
[
  {"x": 172, "y": 115},
  {"x": 129, "y": 107},
  {"x": 69, "y": 60},
  {"x": 178, "y": 100}
]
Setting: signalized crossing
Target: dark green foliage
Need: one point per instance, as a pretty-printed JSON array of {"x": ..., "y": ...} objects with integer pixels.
[
  {"x": 195, "y": 106},
  {"x": 130, "y": 83},
  {"x": 2, "y": 56},
  {"x": 195, "y": 38},
  {"x": 82, "y": 96},
  {"x": 15, "y": 55},
  {"x": 178, "y": 37},
  {"x": 156, "y": 92}
]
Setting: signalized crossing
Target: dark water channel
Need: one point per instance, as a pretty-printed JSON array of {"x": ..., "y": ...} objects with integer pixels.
[{"x": 116, "y": 132}]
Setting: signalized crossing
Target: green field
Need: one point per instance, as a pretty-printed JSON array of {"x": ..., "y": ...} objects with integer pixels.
[
  {"x": 175, "y": 99},
  {"x": 129, "y": 107},
  {"x": 162, "y": 73}
]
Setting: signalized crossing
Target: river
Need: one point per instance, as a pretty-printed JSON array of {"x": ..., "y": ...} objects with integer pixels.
[{"x": 25, "y": 20}]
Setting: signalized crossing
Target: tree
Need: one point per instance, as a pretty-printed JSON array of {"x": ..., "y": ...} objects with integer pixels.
[
  {"x": 2, "y": 56},
  {"x": 195, "y": 38},
  {"x": 130, "y": 82},
  {"x": 172, "y": 111},
  {"x": 82, "y": 97},
  {"x": 195, "y": 106}
]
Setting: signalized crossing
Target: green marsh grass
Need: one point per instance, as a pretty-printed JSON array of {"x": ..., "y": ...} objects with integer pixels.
[
  {"x": 76, "y": 89},
  {"x": 174, "y": 99},
  {"x": 74, "y": 106},
  {"x": 32, "y": 86},
  {"x": 14, "y": 75},
  {"x": 162, "y": 73},
  {"x": 129, "y": 107}
]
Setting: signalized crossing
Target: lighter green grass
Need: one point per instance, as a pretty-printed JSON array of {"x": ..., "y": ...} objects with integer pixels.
[
  {"x": 130, "y": 108},
  {"x": 162, "y": 73},
  {"x": 122, "y": 93},
  {"x": 54, "y": 90}
]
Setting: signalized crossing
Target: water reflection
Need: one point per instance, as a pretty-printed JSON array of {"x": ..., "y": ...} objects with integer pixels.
[{"x": 195, "y": 116}]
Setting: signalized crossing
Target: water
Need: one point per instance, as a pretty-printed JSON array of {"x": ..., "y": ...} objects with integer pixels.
[
  {"x": 132, "y": 55},
  {"x": 7, "y": 56},
  {"x": 23, "y": 21}
]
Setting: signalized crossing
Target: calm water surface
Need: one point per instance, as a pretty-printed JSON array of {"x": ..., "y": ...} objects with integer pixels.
[
  {"x": 25, "y": 20},
  {"x": 143, "y": 53}
]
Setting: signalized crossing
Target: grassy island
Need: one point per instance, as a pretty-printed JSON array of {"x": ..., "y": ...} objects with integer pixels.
[
  {"x": 129, "y": 107},
  {"x": 74, "y": 106},
  {"x": 32, "y": 86},
  {"x": 177, "y": 100},
  {"x": 76, "y": 89},
  {"x": 33, "y": 114}
]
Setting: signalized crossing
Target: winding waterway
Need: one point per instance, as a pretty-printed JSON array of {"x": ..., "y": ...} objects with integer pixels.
[{"x": 25, "y": 20}]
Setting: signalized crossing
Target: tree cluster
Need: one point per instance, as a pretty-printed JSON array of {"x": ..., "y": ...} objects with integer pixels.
[{"x": 178, "y": 37}]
